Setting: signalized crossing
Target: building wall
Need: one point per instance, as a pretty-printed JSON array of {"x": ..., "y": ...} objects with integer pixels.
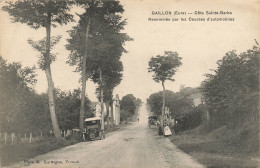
[
  {"x": 197, "y": 101},
  {"x": 116, "y": 110}
]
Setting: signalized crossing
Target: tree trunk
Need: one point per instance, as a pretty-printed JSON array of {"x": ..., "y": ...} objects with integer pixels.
[
  {"x": 163, "y": 106},
  {"x": 54, "y": 121},
  {"x": 102, "y": 99},
  {"x": 107, "y": 117},
  {"x": 207, "y": 116},
  {"x": 84, "y": 79},
  {"x": 112, "y": 114}
]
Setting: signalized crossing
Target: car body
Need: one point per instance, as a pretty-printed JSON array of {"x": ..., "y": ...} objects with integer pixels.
[
  {"x": 92, "y": 129},
  {"x": 152, "y": 120}
]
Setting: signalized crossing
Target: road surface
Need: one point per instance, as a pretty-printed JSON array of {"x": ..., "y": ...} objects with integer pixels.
[{"x": 134, "y": 146}]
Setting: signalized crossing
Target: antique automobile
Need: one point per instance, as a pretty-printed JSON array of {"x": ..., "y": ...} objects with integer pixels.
[
  {"x": 152, "y": 120},
  {"x": 92, "y": 129}
]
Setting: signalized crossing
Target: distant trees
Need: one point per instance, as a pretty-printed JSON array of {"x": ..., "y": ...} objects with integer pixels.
[
  {"x": 231, "y": 93},
  {"x": 178, "y": 104},
  {"x": 181, "y": 106},
  {"x": 128, "y": 106},
  {"x": 44, "y": 14},
  {"x": 163, "y": 68}
]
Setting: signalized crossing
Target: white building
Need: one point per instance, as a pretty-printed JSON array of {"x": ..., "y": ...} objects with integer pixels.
[
  {"x": 196, "y": 99},
  {"x": 116, "y": 110}
]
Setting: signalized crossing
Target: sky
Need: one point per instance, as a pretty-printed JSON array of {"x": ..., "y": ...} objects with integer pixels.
[{"x": 200, "y": 44}]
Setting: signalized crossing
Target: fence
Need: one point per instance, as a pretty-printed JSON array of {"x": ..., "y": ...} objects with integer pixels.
[{"x": 14, "y": 138}]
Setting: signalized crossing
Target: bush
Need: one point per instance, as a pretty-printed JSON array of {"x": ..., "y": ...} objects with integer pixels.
[
  {"x": 191, "y": 119},
  {"x": 232, "y": 92},
  {"x": 181, "y": 107}
]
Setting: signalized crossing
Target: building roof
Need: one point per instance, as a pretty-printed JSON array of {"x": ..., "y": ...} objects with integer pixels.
[{"x": 92, "y": 119}]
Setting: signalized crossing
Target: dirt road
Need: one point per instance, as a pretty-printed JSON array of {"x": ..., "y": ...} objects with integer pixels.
[{"x": 134, "y": 146}]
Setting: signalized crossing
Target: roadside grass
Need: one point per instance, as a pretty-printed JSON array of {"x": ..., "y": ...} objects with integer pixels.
[
  {"x": 222, "y": 147},
  {"x": 110, "y": 129},
  {"x": 12, "y": 153}
]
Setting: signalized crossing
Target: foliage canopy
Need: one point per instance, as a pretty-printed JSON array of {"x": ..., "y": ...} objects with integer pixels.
[
  {"x": 231, "y": 92},
  {"x": 165, "y": 66}
]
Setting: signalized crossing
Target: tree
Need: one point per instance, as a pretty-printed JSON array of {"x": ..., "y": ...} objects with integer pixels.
[
  {"x": 84, "y": 25},
  {"x": 231, "y": 92},
  {"x": 181, "y": 107},
  {"x": 37, "y": 113},
  {"x": 15, "y": 92},
  {"x": 163, "y": 68},
  {"x": 128, "y": 103},
  {"x": 45, "y": 14},
  {"x": 103, "y": 43},
  {"x": 128, "y": 106},
  {"x": 68, "y": 108},
  {"x": 112, "y": 78},
  {"x": 178, "y": 103}
]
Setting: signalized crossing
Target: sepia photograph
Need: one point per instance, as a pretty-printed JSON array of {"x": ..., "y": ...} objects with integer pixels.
[{"x": 129, "y": 83}]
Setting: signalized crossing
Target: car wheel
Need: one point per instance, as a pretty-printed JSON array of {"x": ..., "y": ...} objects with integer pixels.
[{"x": 100, "y": 135}]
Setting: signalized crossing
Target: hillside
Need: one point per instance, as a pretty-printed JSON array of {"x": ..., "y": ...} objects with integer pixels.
[{"x": 222, "y": 147}]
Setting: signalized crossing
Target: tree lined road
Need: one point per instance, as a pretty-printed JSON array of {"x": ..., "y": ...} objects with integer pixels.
[{"x": 133, "y": 146}]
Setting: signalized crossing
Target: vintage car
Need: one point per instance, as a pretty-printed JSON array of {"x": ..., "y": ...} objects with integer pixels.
[
  {"x": 152, "y": 120},
  {"x": 92, "y": 129}
]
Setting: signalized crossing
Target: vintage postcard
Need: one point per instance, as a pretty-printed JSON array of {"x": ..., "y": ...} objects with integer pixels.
[{"x": 129, "y": 83}]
